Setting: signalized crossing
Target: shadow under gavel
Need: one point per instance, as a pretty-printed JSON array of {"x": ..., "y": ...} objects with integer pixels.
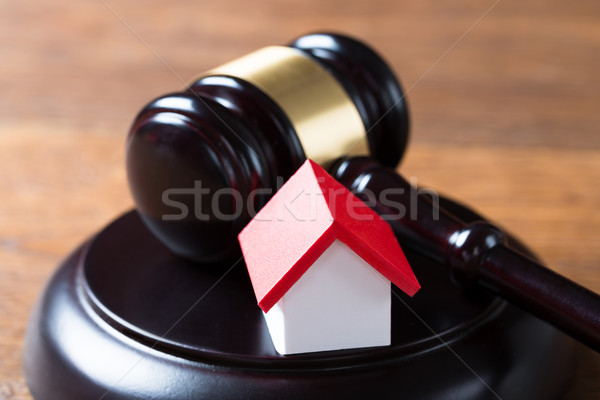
[{"x": 477, "y": 253}]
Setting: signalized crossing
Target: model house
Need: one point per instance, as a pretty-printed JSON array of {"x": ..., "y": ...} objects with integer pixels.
[{"x": 321, "y": 264}]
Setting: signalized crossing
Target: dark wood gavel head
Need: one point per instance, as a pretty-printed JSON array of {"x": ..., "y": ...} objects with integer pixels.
[{"x": 203, "y": 161}]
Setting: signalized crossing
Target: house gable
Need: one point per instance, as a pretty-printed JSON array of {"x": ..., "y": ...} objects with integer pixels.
[{"x": 301, "y": 221}]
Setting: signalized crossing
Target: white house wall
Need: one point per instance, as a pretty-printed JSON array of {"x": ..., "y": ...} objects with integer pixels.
[{"x": 341, "y": 302}]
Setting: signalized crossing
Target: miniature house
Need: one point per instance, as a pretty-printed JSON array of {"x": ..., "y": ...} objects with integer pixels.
[{"x": 321, "y": 262}]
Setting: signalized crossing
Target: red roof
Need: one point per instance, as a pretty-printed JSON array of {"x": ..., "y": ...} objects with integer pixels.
[{"x": 302, "y": 220}]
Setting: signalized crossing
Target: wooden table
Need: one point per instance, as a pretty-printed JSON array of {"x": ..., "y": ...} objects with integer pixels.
[{"x": 505, "y": 99}]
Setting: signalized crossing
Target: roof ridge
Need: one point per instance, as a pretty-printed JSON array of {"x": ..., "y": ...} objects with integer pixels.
[{"x": 277, "y": 256}]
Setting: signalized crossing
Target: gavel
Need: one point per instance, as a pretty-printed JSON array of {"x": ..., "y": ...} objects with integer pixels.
[
  {"x": 238, "y": 131},
  {"x": 243, "y": 128}
]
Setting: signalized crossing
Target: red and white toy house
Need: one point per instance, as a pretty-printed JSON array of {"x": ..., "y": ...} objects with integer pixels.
[{"x": 321, "y": 262}]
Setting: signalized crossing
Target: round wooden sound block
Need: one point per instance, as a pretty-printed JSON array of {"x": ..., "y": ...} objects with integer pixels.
[{"x": 123, "y": 318}]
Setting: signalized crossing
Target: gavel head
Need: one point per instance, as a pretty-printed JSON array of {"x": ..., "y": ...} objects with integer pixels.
[{"x": 203, "y": 161}]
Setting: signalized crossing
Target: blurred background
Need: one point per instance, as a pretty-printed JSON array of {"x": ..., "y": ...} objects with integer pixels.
[{"x": 504, "y": 97}]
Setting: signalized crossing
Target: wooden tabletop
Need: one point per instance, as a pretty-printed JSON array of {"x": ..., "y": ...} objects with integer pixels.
[{"x": 505, "y": 99}]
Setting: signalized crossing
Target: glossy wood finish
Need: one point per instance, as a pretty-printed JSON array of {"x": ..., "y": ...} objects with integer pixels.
[
  {"x": 506, "y": 121},
  {"x": 476, "y": 254},
  {"x": 373, "y": 87},
  {"x": 88, "y": 328},
  {"x": 224, "y": 135}
]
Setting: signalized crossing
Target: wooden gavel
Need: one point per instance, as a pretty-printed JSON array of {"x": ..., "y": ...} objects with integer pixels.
[
  {"x": 240, "y": 127},
  {"x": 251, "y": 123},
  {"x": 476, "y": 253}
]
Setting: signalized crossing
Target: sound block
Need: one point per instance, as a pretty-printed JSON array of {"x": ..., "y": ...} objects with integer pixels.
[{"x": 123, "y": 318}]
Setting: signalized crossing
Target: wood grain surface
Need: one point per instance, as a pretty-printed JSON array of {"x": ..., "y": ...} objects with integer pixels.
[{"x": 505, "y": 99}]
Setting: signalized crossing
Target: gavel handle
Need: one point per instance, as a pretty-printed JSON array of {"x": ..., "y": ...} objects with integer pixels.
[
  {"x": 477, "y": 253},
  {"x": 570, "y": 307}
]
